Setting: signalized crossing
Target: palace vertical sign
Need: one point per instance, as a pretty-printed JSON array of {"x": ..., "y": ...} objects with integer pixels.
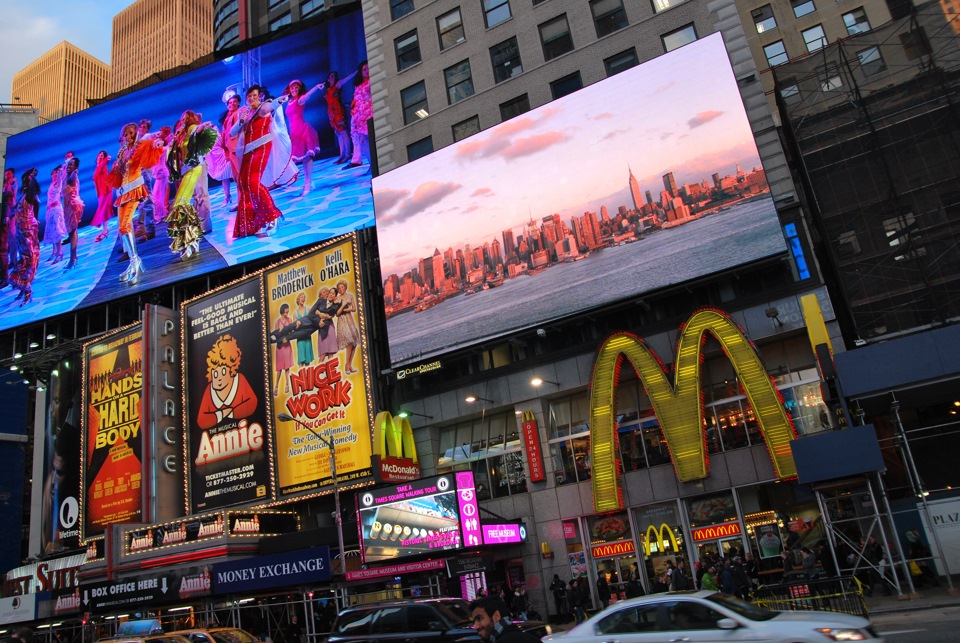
[{"x": 679, "y": 406}]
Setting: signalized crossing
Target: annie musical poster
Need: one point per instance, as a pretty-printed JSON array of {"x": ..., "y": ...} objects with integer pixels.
[
  {"x": 113, "y": 435},
  {"x": 228, "y": 455},
  {"x": 317, "y": 353}
]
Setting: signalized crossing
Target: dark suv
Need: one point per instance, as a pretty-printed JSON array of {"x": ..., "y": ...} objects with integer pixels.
[{"x": 413, "y": 620}]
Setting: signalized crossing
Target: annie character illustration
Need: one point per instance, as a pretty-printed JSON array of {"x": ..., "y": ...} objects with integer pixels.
[{"x": 229, "y": 395}]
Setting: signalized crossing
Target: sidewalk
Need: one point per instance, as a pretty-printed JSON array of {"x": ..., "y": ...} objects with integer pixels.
[{"x": 926, "y": 598}]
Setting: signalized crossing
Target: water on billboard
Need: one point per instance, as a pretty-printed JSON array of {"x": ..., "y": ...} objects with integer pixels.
[
  {"x": 644, "y": 180},
  {"x": 102, "y": 228}
]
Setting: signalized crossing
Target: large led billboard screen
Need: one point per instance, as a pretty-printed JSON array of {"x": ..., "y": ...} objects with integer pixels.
[
  {"x": 420, "y": 517},
  {"x": 338, "y": 202},
  {"x": 644, "y": 180}
]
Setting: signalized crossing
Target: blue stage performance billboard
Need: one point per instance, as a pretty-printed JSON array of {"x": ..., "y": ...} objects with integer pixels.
[{"x": 205, "y": 183}]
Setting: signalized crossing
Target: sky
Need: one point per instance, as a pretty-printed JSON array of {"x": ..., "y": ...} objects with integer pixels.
[
  {"x": 680, "y": 113},
  {"x": 31, "y": 28}
]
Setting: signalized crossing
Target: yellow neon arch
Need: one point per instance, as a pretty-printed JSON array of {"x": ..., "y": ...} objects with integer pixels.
[
  {"x": 679, "y": 407},
  {"x": 657, "y": 536},
  {"x": 393, "y": 436}
]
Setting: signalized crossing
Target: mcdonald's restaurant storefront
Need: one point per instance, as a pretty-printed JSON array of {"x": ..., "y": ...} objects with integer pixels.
[{"x": 762, "y": 520}]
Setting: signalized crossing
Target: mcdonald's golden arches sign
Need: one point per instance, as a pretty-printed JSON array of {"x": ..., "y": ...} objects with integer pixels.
[{"x": 679, "y": 406}]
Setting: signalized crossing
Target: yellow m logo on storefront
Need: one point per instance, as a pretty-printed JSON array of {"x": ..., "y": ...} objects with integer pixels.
[
  {"x": 679, "y": 406},
  {"x": 660, "y": 537},
  {"x": 393, "y": 436}
]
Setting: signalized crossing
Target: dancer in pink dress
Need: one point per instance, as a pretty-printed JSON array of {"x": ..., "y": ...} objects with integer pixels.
[
  {"x": 54, "y": 229},
  {"x": 303, "y": 137},
  {"x": 361, "y": 110},
  {"x": 101, "y": 180}
]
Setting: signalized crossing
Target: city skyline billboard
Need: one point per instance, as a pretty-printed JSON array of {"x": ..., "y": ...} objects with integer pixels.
[
  {"x": 645, "y": 180},
  {"x": 339, "y": 201}
]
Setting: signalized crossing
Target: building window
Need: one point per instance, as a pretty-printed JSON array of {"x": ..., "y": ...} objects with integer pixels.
[
  {"x": 420, "y": 148},
  {"x": 570, "y": 439},
  {"x": 829, "y": 77},
  {"x": 663, "y": 5},
  {"x": 514, "y": 107},
  {"x": 802, "y": 7},
  {"x": 400, "y": 8},
  {"x": 763, "y": 18},
  {"x": 227, "y": 10},
  {"x": 555, "y": 37},
  {"x": 856, "y": 21},
  {"x": 450, "y": 28},
  {"x": 492, "y": 449},
  {"x": 229, "y": 37},
  {"x": 790, "y": 91},
  {"x": 871, "y": 62},
  {"x": 466, "y": 128},
  {"x": 505, "y": 58},
  {"x": 566, "y": 85},
  {"x": 408, "y": 50},
  {"x": 310, "y": 7},
  {"x": 814, "y": 38},
  {"x": 274, "y": 4},
  {"x": 679, "y": 37},
  {"x": 459, "y": 82},
  {"x": 282, "y": 21},
  {"x": 608, "y": 16},
  {"x": 776, "y": 53},
  {"x": 495, "y": 12},
  {"x": 413, "y": 99},
  {"x": 620, "y": 62}
]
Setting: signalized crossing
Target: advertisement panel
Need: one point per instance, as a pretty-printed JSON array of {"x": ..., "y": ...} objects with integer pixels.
[
  {"x": 228, "y": 450},
  {"x": 643, "y": 167},
  {"x": 60, "y": 492},
  {"x": 421, "y": 517},
  {"x": 300, "y": 567},
  {"x": 321, "y": 202},
  {"x": 162, "y": 587},
  {"x": 317, "y": 355},
  {"x": 112, "y": 472}
]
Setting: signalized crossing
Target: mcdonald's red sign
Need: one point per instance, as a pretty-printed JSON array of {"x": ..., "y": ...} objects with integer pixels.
[{"x": 716, "y": 531}]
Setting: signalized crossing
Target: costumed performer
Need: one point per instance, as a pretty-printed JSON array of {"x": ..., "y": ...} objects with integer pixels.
[
  {"x": 126, "y": 176},
  {"x": 28, "y": 237},
  {"x": 191, "y": 142},
  {"x": 336, "y": 114},
  {"x": 259, "y": 135},
  {"x": 361, "y": 110},
  {"x": 72, "y": 206},
  {"x": 54, "y": 229},
  {"x": 304, "y": 141},
  {"x": 101, "y": 180}
]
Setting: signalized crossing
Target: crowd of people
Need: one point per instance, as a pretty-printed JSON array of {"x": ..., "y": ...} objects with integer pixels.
[{"x": 161, "y": 175}]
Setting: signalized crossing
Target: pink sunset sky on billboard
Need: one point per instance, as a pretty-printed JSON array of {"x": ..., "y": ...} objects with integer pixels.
[{"x": 679, "y": 113}]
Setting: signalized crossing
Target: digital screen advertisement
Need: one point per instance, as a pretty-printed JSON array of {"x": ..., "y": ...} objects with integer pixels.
[
  {"x": 643, "y": 166},
  {"x": 419, "y": 517},
  {"x": 228, "y": 456},
  {"x": 313, "y": 200},
  {"x": 112, "y": 471},
  {"x": 60, "y": 493},
  {"x": 316, "y": 348}
]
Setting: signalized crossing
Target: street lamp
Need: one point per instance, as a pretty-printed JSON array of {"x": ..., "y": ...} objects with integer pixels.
[
  {"x": 284, "y": 417},
  {"x": 539, "y": 381},
  {"x": 473, "y": 398},
  {"x": 403, "y": 414}
]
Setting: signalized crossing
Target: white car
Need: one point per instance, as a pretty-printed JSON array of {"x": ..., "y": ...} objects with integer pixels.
[{"x": 698, "y": 617}]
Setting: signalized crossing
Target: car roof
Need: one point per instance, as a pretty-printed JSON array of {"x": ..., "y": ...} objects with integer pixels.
[{"x": 407, "y": 601}]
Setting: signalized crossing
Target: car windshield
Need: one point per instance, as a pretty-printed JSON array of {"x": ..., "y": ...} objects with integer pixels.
[
  {"x": 457, "y": 612},
  {"x": 743, "y": 608}
]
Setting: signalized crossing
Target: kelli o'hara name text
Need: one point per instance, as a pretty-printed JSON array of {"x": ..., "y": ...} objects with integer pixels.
[
  {"x": 223, "y": 315},
  {"x": 297, "y": 279}
]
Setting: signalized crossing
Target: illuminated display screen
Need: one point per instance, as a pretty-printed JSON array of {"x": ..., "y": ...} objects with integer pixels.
[
  {"x": 420, "y": 517},
  {"x": 339, "y": 201},
  {"x": 504, "y": 534},
  {"x": 645, "y": 180}
]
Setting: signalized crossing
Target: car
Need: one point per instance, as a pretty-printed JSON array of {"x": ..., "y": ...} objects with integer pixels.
[
  {"x": 217, "y": 635},
  {"x": 697, "y": 616},
  {"x": 431, "y": 620}
]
